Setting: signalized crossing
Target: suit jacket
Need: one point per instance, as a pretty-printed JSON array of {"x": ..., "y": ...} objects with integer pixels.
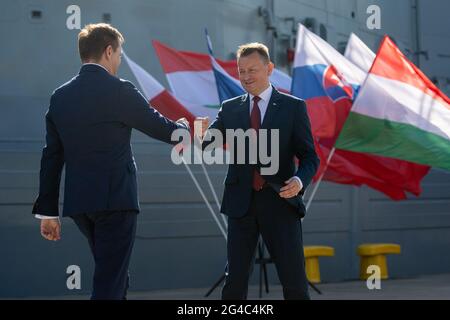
[
  {"x": 286, "y": 113},
  {"x": 88, "y": 126}
]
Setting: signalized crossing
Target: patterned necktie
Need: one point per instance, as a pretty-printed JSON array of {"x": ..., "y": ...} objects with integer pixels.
[{"x": 255, "y": 121}]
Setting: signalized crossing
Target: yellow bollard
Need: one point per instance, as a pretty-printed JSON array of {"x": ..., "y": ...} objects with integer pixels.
[
  {"x": 375, "y": 254},
  {"x": 312, "y": 254}
]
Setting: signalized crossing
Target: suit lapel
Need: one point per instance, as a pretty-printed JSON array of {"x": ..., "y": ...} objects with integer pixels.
[
  {"x": 272, "y": 109},
  {"x": 243, "y": 112}
]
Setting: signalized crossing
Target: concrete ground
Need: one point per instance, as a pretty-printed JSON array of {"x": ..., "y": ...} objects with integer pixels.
[
  {"x": 425, "y": 287},
  {"x": 429, "y": 287}
]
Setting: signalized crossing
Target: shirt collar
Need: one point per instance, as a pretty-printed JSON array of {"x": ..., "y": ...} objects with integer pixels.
[
  {"x": 265, "y": 95},
  {"x": 95, "y": 64}
]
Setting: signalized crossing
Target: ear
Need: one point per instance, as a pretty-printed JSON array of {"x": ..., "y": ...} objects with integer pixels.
[
  {"x": 270, "y": 68},
  {"x": 109, "y": 51}
]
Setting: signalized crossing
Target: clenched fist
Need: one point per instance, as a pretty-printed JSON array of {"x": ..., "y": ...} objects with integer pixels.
[
  {"x": 200, "y": 126},
  {"x": 51, "y": 229}
]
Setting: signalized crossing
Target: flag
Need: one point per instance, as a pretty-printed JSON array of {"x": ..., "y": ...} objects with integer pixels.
[
  {"x": 392, "y": 177},
  {"x": 399, "y": 113},
  {"x": 329, "y": 83},
  {"x": 326, "y": 80},
  {"x": 359, "y": 53},
  {"x": 192, "y": 81},
  {"x": 157, "y": 96},
  {"x": 227, "y": 86}
]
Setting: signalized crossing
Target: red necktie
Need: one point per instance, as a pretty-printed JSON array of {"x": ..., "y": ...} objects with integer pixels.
[{"x": 255, "y": 121}]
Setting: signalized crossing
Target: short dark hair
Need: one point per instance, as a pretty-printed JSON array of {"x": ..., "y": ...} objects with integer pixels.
[
  {"x": 248, "y": 48},
  {"x": 93, "y": 39}
]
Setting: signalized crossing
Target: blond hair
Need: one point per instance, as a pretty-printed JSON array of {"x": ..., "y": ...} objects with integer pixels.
[
  {"x": 249, "y": 48},
  {"x": 93, "y": 39}
]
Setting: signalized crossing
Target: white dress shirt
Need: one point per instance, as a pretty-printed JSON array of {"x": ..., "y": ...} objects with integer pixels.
[{"x": 263, "y": 104}]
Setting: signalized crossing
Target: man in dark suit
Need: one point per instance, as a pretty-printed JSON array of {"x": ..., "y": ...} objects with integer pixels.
[
  {"x": 270, "y": 205},
  {"x": 89, "y": 124}
]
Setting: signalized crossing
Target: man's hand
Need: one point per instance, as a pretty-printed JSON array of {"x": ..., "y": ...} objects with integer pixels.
[
  {"x": 200, "y": 126},
  {"x": 51, "y": 229},
  {"x": 183, "y": 121},
  {"x": 292, "y": 188}
]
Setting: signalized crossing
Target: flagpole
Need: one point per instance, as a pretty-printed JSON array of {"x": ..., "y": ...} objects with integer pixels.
[
  {"x": 205, "y": 199},
  {"x": 213, "y": 191},
  {"x": 214, "y": 194},
  {"x": 316, "y": 186}
]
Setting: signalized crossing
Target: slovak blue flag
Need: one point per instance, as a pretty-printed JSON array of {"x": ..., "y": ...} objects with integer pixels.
[
  {"x": 227, "y": 86},
  {"x": 326, "y": 80}
]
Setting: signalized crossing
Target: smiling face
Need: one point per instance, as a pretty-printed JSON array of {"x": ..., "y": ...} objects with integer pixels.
[{"x": 254, "y": 73}]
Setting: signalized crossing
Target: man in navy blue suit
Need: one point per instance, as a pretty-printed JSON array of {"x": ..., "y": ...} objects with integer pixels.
[
  {"x": 89, "y": 123},
  {"x": 255, "y": 203}
]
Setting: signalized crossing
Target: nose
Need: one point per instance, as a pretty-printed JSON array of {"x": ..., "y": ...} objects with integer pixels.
[{"x": 246, "y": 77}]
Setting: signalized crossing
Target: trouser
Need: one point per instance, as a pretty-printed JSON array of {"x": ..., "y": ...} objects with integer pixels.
[
  {"x": 280, "y": 227},
  {"x": 111, "y": 238}
]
